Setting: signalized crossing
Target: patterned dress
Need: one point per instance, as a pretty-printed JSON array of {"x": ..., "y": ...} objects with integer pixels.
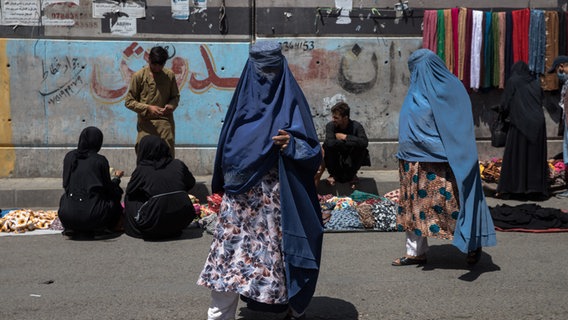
[
  {"x": 428, "y": 205},
  {"x": 245, "y": 256}
]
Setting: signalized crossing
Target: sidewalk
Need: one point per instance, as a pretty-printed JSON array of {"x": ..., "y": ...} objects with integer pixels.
[{"x": 44, "y": 193}]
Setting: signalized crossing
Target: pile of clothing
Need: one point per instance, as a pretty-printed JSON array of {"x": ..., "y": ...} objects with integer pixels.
[
  {"x": 529, "y": 217},
  {"x": 207, "y": 214},
  {"x": 24, "y": 220},
  {"x": 491, "y": 171},
  {"x": 359, "y": 211}
]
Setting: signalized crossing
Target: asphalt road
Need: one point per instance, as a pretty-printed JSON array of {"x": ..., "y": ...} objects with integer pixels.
[{"x": 50, "y": 277}]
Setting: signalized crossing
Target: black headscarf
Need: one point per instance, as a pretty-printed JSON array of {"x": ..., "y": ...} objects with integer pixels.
[
  {"x": 156, "y": 171},
  {"x": 90, "y": 142},
  {"x": 153, "y": 151},
  {"x": 522, "y": 100}
]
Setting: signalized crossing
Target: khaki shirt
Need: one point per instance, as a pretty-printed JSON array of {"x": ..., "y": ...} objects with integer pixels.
[{"x": 147, "y": 89}]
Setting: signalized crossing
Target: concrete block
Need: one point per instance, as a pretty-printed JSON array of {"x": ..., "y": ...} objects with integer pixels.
[
  {"x": 7, "y": 199},
  {"x": 39, "y": 198}
]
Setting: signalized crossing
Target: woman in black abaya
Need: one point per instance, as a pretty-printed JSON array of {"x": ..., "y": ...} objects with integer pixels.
[
  {"x": 91, "y": 202},
  {"x": 524, "y": 173},
  {"x": 157, "y": 204}
]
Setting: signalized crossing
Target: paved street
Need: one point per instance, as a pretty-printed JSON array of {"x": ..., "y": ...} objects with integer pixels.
[{"x": 50, "y": 277}]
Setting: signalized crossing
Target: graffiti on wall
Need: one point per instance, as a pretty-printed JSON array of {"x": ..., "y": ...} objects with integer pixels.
[
  {"x": 212, "y": 80},
  {"x": 305, "y": 45},
  {"x": 353, "y": 60},
  {"x": 85, "y": 83},
  {"x": 355, "y": 69},
  {"x": 62, "y": 78},
  {"x": 104, "y": 93},
  {"x": 198, "y": 83}
]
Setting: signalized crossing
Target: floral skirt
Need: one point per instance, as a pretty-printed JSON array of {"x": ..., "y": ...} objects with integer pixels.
[
  {"x": 429, "y": 203},
  {"x": 245, "y": 255}
]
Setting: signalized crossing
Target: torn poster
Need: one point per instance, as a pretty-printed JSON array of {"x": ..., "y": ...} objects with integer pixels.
[
  {"x": 199, "y": 6},
  {"x": 345, "y": 7},
  {"x": 180, "y": 9},
  {"x": 20, "y": 12},
  {"x": 123, "y": 26},
  {"x": 128, "y": 9}
]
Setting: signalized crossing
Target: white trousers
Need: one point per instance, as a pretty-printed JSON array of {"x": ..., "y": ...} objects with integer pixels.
[
  {"x": 415, "y": 245},
  {"x": 223, "y": 305}
]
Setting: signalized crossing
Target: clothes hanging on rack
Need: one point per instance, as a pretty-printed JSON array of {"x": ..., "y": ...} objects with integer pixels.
[{"x": 480, "y": 47}]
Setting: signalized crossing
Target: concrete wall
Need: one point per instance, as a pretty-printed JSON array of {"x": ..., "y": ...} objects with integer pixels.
[{"x": 54, "y": 81}]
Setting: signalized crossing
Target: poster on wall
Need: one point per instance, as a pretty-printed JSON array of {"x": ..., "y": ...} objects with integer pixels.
[
  {"x": 123, "y": 26},
  {"x": 130, "y": 9},
  {"x": 180, "y": 9},
  {"x": 59, "y": 13},
  {"x": 345, "y": 7},
  {"x": 199, "y": 6},
  {"x": 47, "y": 3},
  {"x": 20, "y": 12}
]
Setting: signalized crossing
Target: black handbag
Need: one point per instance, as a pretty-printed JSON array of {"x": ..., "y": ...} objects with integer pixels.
[
  {"x": 164, "y": 213},
  {"x": 499, "y": 130}
]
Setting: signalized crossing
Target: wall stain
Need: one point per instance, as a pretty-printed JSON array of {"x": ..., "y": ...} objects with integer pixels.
[{"x": 7, "y": 152}]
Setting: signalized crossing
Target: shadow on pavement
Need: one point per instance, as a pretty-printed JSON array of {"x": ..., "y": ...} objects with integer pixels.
[
  {"x": 191, "y": 233},
  {"x": 368, "y": 185},
  {"x": 320, "y": 308},
  {"x": 187, "y": 233},
  {"x": 200, "y": 191},
  {"x": 331, "y": 309},
  {"x": 449, "y": 257}
]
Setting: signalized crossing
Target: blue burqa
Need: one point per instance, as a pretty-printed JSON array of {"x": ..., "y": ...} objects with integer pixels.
[
  {"x": 268, "y": 98},
  {"x": 436, "y": 125}
]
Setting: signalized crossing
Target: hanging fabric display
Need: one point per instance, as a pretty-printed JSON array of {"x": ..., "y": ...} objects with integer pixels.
[{"x": 480, "y": 47}]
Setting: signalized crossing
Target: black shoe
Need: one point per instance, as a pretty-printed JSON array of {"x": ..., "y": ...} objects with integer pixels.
[
  {"x": 405, "y": 261},
  {"x": 473, "y": 256}
]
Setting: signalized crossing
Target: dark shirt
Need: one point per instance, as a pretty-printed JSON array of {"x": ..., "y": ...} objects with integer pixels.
[{"x": 356, "y": 136}]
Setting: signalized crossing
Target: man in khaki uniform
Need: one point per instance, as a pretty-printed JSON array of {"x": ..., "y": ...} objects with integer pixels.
[{"x": 154, "y": 95}]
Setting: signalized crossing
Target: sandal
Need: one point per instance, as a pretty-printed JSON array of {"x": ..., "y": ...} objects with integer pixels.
[
  {"x": 473, "y": 256},
  {"x": 407, "y": 261}
]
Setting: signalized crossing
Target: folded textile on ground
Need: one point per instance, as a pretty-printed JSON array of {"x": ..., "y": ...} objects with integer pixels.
[
  {"x": 529, "y": 217},
  {"x": 373, "y": 214},
  {"x": 24, "y": 220}
]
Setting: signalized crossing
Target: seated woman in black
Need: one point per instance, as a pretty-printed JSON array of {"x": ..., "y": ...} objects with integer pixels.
[
  {"x": 156, "y": 202},
  {"x": 91, "y": 202}
]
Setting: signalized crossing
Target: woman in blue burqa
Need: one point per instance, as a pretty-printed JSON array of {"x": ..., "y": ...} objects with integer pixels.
[
  {"x": 267, "y": 242},
  {"x": 441, "y": 193}
]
